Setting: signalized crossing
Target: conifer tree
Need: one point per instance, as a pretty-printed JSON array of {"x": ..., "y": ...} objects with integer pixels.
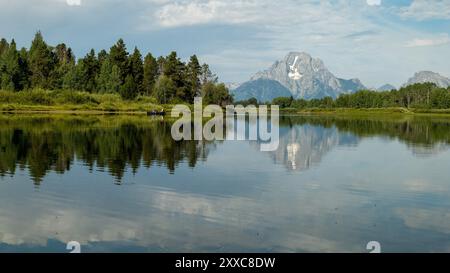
[
  {"x": 11, "y": 73},
  {"x": 24, "y": 69},
  {"x": 73, "y": 79},
  {"x": 102, "y": 56},
  {"x": 90, "y": 67},
  {"x": 3, "y": 46},
  {"x": 150, "y": 74},
  {"x": 129, "y": 89},
  {"x": 108, "y": 80},
  {"x": 118, "y": 56},
  {"x": 137, "y": 70},
  {"x": 193, "y": 77},
  {"x": 65, "y": 62},
  {"x": 41, "y": 62},
  {"x": 165, "y": 89},
  {"x": 207, "y": 76}
]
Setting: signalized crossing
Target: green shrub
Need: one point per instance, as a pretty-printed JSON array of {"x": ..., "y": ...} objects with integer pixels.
[
  {"x": 75, "y": 97},
  {"x": 108, "y": 106},
  {"x": 36, "y": 96}
]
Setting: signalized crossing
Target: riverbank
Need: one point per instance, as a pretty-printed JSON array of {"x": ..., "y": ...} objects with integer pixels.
[
  {"x": 74, "y": 102},
  {"x": 366, "y": 111},
  {"x": 81, "y": 109},
  {"x": 60, "y": 101},
  {"x": 143, "y": 108}
]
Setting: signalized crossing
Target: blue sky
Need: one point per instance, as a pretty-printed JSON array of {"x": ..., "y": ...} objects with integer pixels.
[{"x": 377, "y": 41}]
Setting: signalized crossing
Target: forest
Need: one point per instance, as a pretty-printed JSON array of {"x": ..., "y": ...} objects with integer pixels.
[
  {"x": 418, "y": 96},
  {"x": 44, "y": 72}
]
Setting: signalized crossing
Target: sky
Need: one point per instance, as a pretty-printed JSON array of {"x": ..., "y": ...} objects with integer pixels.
[{"x": 377, "y": 41}]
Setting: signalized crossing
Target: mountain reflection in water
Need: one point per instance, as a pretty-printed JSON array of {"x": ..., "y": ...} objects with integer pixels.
[
  {"x": 46, "y": 143},
  {"x": 122, "y": 184}
]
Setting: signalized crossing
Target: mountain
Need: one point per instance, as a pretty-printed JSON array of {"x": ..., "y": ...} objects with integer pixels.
[
  {"x": 386, "y": 87},
  {"x": 232, "y": 85},
  {"x": 429, "y": 76},
  {"x": 305, "y": 77},
  {"x": 264, "y": 90}
]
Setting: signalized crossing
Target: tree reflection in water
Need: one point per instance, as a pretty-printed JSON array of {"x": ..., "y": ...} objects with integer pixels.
[{"x": 43, "y": 143}]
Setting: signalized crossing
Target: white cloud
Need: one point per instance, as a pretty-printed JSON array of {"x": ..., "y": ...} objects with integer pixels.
[
  {"x": 427, "y": 10},
  {"x": 374, "y": 2},
  {"x": 73, "y": 2},
  {"x": 441, "y": 40},
  {"x": 181, "y": 13},
  {"x": 346, "y": 34}
]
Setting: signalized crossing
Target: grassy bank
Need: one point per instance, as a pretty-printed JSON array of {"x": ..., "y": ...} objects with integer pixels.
[
  {"x": 73, "y": 101},
  {"x": 64, "y": 101},
  {"x": 366, "y": 111}
]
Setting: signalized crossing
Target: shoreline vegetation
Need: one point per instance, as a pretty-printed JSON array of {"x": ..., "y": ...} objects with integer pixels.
[
  {"x": 77, "y": 102},
  {"x": 67, "y": 101},
  {"x": 143, "y": 108}
]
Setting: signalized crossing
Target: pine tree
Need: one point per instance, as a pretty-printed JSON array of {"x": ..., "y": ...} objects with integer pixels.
[
  {"x": 193, "y": 77},
  {"x": 207, "y": 76},
  {"x": 90, "y": 68},
  {"x": 114, "y": 82},
  {"x": 11, "y": 74},
  {"x": 41, "y": 62},
  {"x": 161, "y": 61},
  {"x": 24, "y": 81},
  {"x": 64, "y": 64},
  {"x": 150, "y": 74},
  {"x": 73, "y": 79},
  {"x": 129, "y": 89},
  {"x": 3, "y": 46},
  {"x": 118, "y": 56},
  {"x": 165, "y": 89},
  {"x": 108, "y": 80},
  {"x": 64, "y": 54},
  {"x": 175, "y": 70},
  {"x": 137, "y": 69},
  {"x": 102, "y": 56}
]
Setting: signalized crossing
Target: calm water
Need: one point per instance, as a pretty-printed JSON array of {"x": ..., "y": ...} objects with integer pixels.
[{"x": 120, "y": 183}]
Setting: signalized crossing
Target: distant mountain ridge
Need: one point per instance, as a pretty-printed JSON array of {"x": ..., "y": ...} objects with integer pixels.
[
  {"x": 386, "y": 87},
  {"x": 429, "y": 76},
  {"x": 301, "y": 76},
  {"x": 304, "y": 76},
  {"x": 264, "y": 90}
]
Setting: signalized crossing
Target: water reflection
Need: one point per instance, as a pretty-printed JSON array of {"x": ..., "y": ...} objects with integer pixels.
[
  {"x": 305, "y": 140},
  {"x": 370, "y": 181},
  {"x": 115, "y": 143},
  {"x": 304, "y": 146},
  {"x": 44, "y": 143}
]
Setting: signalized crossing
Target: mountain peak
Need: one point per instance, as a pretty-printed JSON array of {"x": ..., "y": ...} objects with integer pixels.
[
  {"x": 307, "y": 77},
  {"x": 426, "y": 73},
  {"x": 429, "y": 76},
  {"x": 301, "y": 55},
  {"x": 386, "y": 87}
]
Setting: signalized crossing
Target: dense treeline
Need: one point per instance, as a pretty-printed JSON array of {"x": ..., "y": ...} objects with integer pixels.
[
  {"x": 420, "y": 95},
  {"x": 167, "y": 79}
]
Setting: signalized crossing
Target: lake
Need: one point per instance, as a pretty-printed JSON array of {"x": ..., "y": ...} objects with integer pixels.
[{"x": 122, "y": 184}]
